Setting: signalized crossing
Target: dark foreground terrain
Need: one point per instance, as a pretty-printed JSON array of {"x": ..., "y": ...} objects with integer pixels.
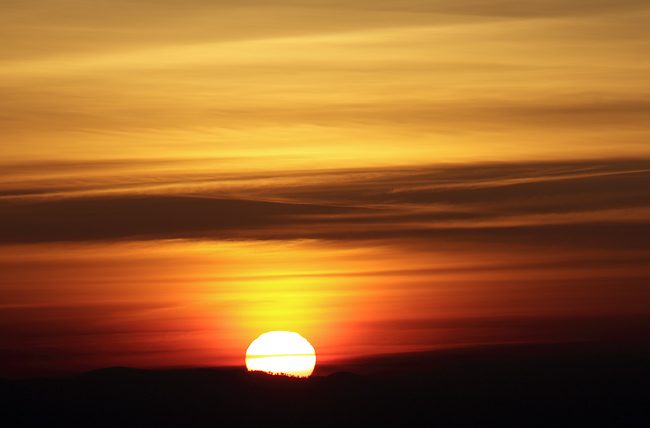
[{"x": 515, "y": 386}]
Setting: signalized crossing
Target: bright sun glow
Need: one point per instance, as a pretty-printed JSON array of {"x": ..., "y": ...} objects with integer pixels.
[{"x": 281, "y": 352}]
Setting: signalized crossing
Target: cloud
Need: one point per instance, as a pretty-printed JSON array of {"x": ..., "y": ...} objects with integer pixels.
[
  {"x": 604, "y": 203},
  {"x": 151, "y": 217},
  {"x": 477, "y": 77},
  {"x": 537, "y": 327}
]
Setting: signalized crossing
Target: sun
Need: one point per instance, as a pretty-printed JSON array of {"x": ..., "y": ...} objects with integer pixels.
[{"x": 281, "y": 352}]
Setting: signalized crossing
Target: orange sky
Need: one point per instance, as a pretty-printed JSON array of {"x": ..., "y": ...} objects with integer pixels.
[{"x": 178, "y": 177}]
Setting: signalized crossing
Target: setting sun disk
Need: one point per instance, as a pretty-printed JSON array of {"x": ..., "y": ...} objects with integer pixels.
[{"x": 281, "y": 352}]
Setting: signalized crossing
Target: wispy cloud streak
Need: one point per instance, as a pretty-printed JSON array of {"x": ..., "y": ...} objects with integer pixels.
[{"x": 346, "y": 203}]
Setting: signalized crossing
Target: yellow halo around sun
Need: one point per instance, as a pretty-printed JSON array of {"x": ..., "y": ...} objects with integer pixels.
[{"x": 281, "y": 352}]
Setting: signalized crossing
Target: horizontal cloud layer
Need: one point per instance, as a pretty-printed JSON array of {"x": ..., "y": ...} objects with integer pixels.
[{"x": 569, "y": 201}]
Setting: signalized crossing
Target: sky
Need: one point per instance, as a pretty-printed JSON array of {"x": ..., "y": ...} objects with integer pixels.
[{"x": 177, "y": 178}]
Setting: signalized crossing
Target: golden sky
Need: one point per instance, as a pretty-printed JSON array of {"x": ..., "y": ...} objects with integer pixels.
[{"x": 178, "y": 177}]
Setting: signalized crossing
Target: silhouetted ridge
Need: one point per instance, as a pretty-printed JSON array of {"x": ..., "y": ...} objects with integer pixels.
[
  {"x": 347, "y": 377},
  {"x": 505, "y": 387},
  {"x": 111, "y": 372}
]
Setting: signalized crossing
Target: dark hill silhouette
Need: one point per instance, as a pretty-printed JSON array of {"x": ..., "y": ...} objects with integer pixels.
[{"x": 510, "y": 386}]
